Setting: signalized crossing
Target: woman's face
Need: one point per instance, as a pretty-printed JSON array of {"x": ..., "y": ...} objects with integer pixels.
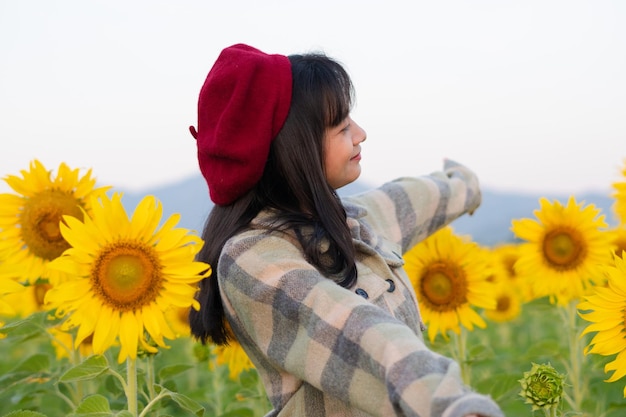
[{"x": 342, "y": 153}]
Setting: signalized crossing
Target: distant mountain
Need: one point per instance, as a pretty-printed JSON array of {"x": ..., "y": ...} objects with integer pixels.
[{"x": 489, "y": 225}]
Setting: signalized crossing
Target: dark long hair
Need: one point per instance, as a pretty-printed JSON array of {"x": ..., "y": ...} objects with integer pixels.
[{"x": 294, "y": 184}]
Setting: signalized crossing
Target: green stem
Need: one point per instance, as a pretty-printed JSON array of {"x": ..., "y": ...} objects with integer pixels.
[
  {"x": 131, "y": 386},
  {"x": 461, "y": 355},
  {"x": 216, "y": 385},
  {"x": 551, "y": 412},
  {"x": 80, "y": 385},
  {"x": 65, "y": 398},
  {"x": 76, "y": 389},
  {"x": 119, "y": 378},
  {"x": 150, "y": 377},
  {"x": 152, "y": 402},
  {"x": 576, "y": 358}
]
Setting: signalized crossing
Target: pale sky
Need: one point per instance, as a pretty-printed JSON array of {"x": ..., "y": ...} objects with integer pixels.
[{"x": 531, "y": 94}]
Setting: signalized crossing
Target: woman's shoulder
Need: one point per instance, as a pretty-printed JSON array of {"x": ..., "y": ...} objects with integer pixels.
[
  {"x": 259, "y": 254},
  {"x": 262, "y": 239},
  {"x": 377, "y": 201}
]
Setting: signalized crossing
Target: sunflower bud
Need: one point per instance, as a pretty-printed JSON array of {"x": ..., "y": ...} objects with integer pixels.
[{"x": 542, "y": 386}]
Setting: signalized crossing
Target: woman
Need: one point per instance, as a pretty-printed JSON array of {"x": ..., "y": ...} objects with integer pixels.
[{"x": 311, "y": 286}]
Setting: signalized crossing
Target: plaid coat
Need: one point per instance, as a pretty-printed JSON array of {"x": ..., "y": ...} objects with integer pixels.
[{"x": 325, "y": 350}]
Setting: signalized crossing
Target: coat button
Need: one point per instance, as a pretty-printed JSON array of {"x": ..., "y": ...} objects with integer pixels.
[
  {"x": 362, "y": 293},
  {"x": 392, "y": 285}
]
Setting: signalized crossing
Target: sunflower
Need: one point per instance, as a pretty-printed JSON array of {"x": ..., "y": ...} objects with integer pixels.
[
  {"x": 62, "y": 344},
  {"x": 563, "y": 251},
  {"x": 178, "y": 318},
  {"x": 28, "y": 301},
  {"x": 451, "y": 276},
  {"x": 504, "y": 257},
  {"x": 8, "y": 288},
  {"x": 29, "y": 220},
  {"x": 234, "y": 357},
  {"x": 542, "y": 387},
  {"x": 619, "y": 206},
  {"x": 605, "y": 310},
  {"x": 508, "y": 302},
  {"x": 618, "y": 236},
  {"x": 124, "y": 274}
]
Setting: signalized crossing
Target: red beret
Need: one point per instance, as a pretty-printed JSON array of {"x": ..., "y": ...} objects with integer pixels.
[{"x": 242, "y": 106}]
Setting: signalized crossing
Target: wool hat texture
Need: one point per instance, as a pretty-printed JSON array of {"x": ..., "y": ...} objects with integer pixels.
[{"x": 242, "y": 106}]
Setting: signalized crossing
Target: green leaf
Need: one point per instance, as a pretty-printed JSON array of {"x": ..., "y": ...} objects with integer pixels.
[
  {"x": 113, "y": 386},
  {"x": 182, "y": 400},
  {"x": 30, "y": 326},
  {"x": 168, "y": 372},
  {"x": 34, "y": 368},
  {"x": 24, "y": 413},
  {"x": 94, "y": 404},
  {"x": 499, "y": 385},
  {"x": 37, "y": 363},
  {"x": 92, "y": 367},
  {"x": 479, "y": 353}
]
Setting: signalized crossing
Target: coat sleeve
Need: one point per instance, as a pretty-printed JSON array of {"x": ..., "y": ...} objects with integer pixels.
[
  {"x": 409, "y": 209},
  {"x": 297, "y": 324}
]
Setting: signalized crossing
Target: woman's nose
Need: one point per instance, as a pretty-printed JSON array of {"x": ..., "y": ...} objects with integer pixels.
[{"x": 361, "y": 133}]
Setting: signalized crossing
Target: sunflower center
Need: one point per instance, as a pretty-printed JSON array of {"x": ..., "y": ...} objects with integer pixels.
[
  {"x": 503, "y": 303},
  {"x": 509, "y": 264},
  {"x": 40, "y": 291},
  {"x": 127, "y": 276},
  {"x": 40, "y": 222},
  {"x": 444, "y": 286},
  {"x": 563, "y": 249},
  {"x": 183, "y": 315},
  {"x": 541, "y": 388},
  {"x": 620, "y": 245}
]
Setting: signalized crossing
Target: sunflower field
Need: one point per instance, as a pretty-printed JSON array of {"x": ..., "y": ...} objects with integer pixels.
[{"x": 94, "y": 305}]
